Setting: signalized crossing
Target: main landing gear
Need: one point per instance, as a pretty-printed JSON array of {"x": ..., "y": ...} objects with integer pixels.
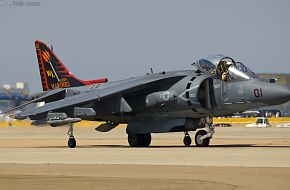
[
  {"x": 139, "y": 140},
  {"x": 71, "y": 140},
  {"x": 186, "y": 139}
]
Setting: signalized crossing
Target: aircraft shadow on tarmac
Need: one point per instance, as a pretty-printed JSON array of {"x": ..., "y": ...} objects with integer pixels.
[{"x": 176, "y": 146}]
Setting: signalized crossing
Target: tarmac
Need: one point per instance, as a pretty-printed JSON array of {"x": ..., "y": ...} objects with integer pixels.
[{"x": 238, "y": 158}]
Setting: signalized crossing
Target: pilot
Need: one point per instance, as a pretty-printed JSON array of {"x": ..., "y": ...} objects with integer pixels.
[
  {"x": 224, "y": 76},
  {"x": 224, "y": 70}
]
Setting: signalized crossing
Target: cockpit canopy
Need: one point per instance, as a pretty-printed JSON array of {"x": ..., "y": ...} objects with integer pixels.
[{"x": 224, "y": 68}]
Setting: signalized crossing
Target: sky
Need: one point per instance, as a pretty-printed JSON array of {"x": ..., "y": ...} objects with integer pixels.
[{"x": 118, "y": 39}]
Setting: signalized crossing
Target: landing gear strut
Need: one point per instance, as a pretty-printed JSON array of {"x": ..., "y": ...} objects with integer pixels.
[
  {"x": 71, "y": 140},
  {"x": 199, "y": 141},
  {"x": 186, "y": 139},
  {"x": 202, "y": 137},
  {"x": 139, "y": 140}
]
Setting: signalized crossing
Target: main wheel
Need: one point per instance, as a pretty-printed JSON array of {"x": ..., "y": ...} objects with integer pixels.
[
  {"x": 145, "y": 140},
  {"x": 71, "y": 142},
  {"x": 134, "y": 140},
  {"x": 140, "y": 140},
  {"x": 201, "y": 142},
  {"x": 187, "y": 140}
]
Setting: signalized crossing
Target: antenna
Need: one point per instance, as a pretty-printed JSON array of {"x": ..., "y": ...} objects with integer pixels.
[{"x": 51, "y": 47}]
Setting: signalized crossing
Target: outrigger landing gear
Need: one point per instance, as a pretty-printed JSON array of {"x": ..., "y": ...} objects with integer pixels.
[
  {"x": 186, "y": 139},
  {"x": 202, "y": 137},
  {"x": 71, "y": 141}
]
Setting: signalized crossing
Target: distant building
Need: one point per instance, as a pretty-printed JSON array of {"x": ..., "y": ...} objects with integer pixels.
[{"x": 281, "y": 79}]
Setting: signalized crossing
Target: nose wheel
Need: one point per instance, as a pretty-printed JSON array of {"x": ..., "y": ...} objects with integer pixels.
[
  {"x": 71, "y": 140},
  {"x": 200, "y": 138}
]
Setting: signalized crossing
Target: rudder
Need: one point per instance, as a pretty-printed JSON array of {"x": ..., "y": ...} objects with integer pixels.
[{"x": 53, "y": 73}]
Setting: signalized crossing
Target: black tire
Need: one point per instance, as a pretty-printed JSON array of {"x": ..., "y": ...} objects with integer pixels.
[
  {"x": 145, "y": 140},
  {"x": 198, "y": 141},
  {"x": 134, "y": 140},
  {"x": 71, "y": 142},
  {"x": 187, "y": 140},
  {"x": 140, "y": 140}
]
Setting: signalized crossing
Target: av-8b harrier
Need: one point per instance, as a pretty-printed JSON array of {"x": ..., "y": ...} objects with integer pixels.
[{"x": 174, "y": 101}]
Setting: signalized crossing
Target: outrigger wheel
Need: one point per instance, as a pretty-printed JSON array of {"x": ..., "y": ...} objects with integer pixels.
[{"x": 71, "y": 142}]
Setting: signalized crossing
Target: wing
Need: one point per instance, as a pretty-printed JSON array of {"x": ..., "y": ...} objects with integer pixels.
[{"x": 102, "y": 92}]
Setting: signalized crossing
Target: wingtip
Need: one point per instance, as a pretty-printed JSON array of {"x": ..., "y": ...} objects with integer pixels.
[
  {"x": 12, "y": 116},
  {"x": 17, "y": 116}
]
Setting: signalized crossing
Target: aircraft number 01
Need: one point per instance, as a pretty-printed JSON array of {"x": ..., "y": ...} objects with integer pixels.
[{"x": 258, "y": 92}]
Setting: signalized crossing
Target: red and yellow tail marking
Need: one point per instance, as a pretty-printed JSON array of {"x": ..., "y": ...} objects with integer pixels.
[
  {"x": 46, "y": 56},
  {"x": 49, "y": 73}
]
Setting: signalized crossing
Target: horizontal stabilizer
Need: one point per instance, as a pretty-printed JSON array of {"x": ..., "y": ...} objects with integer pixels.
[{"x": 44, "y": 97}]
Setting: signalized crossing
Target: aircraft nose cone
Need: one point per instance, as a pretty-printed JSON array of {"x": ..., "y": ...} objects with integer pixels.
[
  {"x": 281, "y": 94},
  {"x": 286, "y": 93}
]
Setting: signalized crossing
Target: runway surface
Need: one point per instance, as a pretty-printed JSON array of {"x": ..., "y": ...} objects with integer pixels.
[{"x": 238, "y": 158}]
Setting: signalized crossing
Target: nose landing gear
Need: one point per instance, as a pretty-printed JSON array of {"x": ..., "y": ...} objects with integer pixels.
[
  {"x": 200, "y": 141},
  {"x": 203, "y": 136}
]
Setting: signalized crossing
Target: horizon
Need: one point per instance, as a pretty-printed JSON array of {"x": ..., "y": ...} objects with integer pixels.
[{"x": 121, "y": 39}]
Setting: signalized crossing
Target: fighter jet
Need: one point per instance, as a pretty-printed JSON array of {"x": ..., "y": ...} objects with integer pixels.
[{"x": 173, "y": 101}]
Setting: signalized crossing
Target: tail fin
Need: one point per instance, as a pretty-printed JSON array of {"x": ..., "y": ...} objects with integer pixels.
[{"x": 53, "y": 73}]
